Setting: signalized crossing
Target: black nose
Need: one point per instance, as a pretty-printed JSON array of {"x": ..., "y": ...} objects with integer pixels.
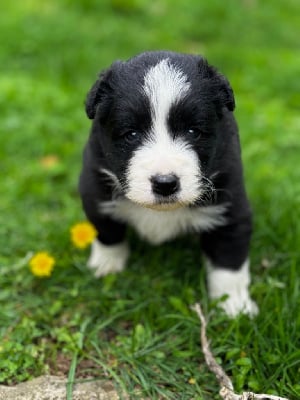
[{"x": 165, "y": 185}]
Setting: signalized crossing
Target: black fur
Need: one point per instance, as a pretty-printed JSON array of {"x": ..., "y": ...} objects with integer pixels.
[{"x": 117, "y": 106}]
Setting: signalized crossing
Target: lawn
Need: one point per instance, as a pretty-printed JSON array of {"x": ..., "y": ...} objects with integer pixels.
[{"x": 137, "y": 328}]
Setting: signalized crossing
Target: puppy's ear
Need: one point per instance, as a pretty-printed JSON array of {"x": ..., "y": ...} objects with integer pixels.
[
  {"x": 98, "y": 92},
  {"x": 222, "y": 91},
  {"x": 225, "y": 96}
]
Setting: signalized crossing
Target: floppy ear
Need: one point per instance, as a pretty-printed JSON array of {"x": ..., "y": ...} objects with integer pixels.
[
  {"x": 97, "y": 93},
  {"x": 225, "y": 94},
  {"x": 222, "y": 91}
]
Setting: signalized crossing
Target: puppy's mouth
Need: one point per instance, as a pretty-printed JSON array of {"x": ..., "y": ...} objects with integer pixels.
[
  {"x": 168, "y": 194},
  {"x": 162, "y": 204}
]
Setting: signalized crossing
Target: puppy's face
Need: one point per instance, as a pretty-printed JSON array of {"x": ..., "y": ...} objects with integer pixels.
[{"x": 156, "y": 118}]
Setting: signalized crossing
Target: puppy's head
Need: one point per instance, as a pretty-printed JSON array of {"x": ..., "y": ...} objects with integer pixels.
[{"x": 155, "y": 117}]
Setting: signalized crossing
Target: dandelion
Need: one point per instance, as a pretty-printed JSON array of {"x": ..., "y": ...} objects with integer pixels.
[
  {"x": 42, "y": 264},
  {"x": 82, "y": 234},
  {"x": 49, "y": 162}
]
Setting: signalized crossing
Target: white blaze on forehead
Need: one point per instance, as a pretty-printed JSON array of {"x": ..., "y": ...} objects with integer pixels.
[{"x": 164, "y": 84}]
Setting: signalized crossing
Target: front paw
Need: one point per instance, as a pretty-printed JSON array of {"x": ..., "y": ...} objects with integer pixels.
[
  {"x": 239, "y": 303},
  {"x": 234, "y": 284},
  {"x": 106, "y": 259}
]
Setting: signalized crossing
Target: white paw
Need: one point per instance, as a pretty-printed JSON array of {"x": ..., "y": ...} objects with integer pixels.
[
  {"x": 107, "y": 259},
  {"x": 239, "y": 303},
  {"x": 235, "y": 285}
]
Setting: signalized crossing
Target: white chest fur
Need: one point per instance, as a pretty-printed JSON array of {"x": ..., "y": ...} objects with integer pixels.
[{"x": 160, "y": 226}]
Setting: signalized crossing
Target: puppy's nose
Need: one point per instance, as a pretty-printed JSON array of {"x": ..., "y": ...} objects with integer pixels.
[{"x": 165, "y": 185}]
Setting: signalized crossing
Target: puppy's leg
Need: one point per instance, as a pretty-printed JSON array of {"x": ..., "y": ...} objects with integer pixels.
[
  {"x": 234, "y": 283},
  {"x": 227, "y": 264},
  {"x": 107, "y": 259},
  {"x": 109, "y": 252}
]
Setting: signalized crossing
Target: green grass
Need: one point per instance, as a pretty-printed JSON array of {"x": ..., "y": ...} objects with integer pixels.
[{"x": 137, "y": 328}]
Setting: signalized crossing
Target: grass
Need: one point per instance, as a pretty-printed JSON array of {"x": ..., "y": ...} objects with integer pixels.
[{"x": 137, "y": 328}]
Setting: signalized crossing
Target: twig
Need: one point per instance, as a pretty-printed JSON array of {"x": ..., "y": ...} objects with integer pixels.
[{"x": 227, "y": 389}]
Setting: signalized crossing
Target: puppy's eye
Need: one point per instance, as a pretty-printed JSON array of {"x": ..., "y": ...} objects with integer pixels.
[
  {"x": 131, "y": 136},
  {"x": 194, "y": 133}
]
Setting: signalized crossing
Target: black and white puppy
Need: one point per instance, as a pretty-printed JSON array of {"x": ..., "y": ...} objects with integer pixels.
[{"x": 164, "y": 157}]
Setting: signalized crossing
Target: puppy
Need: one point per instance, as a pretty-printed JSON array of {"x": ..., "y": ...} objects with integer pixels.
[{"x": 164, "y": 157}]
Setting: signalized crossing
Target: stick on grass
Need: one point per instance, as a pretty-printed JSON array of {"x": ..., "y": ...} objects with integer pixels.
[{"x": 227, "y": 389}]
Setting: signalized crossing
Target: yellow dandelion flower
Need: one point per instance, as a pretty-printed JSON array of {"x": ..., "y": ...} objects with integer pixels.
[
  {"x": 49, "y": 162},
  {"x": 82, "y": 234},
  {"x": 42, "y": 264}
]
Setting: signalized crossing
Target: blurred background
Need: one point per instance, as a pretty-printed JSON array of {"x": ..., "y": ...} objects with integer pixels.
[
  {"x": 52, "y": 51},
  {"x": 50, "y": 54}
]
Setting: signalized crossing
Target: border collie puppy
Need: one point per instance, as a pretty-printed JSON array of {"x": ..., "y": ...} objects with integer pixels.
[{"x": 163, "y": 156}]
